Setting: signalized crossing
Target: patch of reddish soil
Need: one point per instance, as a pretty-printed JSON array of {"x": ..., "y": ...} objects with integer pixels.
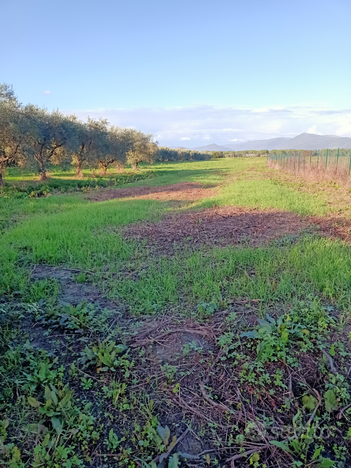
[
  {"x": 334, "y": 227},
  {"x": 219, "y": 226},
  {"x": 188, "y": 191}
]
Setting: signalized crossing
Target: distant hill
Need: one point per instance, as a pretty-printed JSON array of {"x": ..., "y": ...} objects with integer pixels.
[
  {"x": 305, "y": 141},
  {"x": 310, "y": 141},
  {"x": 273, "y": 143},
  {"x": 212, "y": 147}
]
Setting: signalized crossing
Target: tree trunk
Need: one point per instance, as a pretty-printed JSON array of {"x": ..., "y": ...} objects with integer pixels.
[
  {"x": 79, "y": 172},
  {"x": 103, "y": 169},
  {"x": 40, "y": 160},
  {"x": 120, "y": 168},
  {"x": 2, "y": 182},
  {"x": 135, "y": 166}
]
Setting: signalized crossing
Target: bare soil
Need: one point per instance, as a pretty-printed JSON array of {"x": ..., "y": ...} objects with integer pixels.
[
  {"x": 336, "y": 227},
  {"x": 223, "y": 226},
  {"x": 188, "y": 191},
  {"x": 232, "y": 225},
  {"x": 71, "y": 291},
  {"x": 219, "y": 226}
]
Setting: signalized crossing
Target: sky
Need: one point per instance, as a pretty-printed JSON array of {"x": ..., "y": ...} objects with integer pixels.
[{"x": 191, "y": 72}]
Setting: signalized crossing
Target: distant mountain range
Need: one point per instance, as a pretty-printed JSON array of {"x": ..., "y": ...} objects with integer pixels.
[
  {"x": 213, "y": 147},
  {"x": 305, "y": 141}
]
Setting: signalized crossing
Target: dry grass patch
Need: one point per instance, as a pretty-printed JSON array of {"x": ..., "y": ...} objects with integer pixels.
[
  {"x": 189, "y": 191},
  {"x": 228, "y": 225}
]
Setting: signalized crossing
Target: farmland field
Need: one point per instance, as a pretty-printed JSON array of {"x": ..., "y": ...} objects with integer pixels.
[{"x": 188, "y": 314}]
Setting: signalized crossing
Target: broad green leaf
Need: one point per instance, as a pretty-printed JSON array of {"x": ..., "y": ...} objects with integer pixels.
[
  {"x": 317, "y": 452},
  {"x": 270, "y": 318},
  {"x": 54, "y": 397},
  {"x": 250, "y": 334},
  {"x": 282, "y": 445},
  {"x": 164, "y": 433},
  {"x": 46, "y": 440},
  {"x": 264, "y": 323},
  {"x": 121, "y": 348},
  {"x": 174, "y": 461},
  {"x": 16, "y": 455},
  {"x": 296, "y": 418},
  {"x": 331, "y": 403},
  {"x": 66, "y": 399},
  {"x": 47, "y": 393},
  {"x": 254, "y": 458},
  {"x": 56, "y": 424},
  {"x": 285, "y": 336},
  {"x": 296, "y": 445},
  {"x": 325, "y": 463},
  {"x": 43, "y": 370},
  {"x": 309, "y": 402},
  {"x": 33, "y": 402},
  {"x": 5, "y": 423}
]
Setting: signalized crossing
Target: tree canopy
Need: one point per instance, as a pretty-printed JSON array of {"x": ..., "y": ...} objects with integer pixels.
[{"x": 34, "y": 137}]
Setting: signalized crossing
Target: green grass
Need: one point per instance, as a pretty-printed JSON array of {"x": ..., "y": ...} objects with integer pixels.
[
  {"x": 312, "y": 267},
  {"x": 14, "y": 210},
  {"x": 67, "y": 229},
  {"x": 268, "y": 194},
  {"x": 102, "y": 386},
  {"x": 75, "y": 237}
]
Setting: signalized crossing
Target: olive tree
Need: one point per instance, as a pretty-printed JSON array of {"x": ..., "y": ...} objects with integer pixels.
[
  {"x": 143, "y": 149},
  {"x": 119, "y": 142},
  {"x": 52, "y": 137},
  {"x": 12, "y": 130},
  {"x": 91, "y": 140},
  {"x": 217, "y": 154}
]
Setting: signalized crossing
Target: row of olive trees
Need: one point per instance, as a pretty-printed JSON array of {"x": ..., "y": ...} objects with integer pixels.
[
  {"x": 33, "y": 137},
  {"x": 180, "y": 154},
  {"x": 245, "y": 153}
]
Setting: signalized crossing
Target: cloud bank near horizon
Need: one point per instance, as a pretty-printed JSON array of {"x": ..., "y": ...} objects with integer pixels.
[{"x": 200, "y": 125}]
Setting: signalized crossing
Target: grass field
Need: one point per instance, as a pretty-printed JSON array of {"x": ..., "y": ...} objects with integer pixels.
[{"x": 199, "y": 324}]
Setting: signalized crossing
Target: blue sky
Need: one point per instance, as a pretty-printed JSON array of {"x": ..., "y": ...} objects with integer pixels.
[{"x": 189, "y": 71}]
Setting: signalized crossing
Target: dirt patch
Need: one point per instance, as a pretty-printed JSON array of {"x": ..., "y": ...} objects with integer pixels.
[
  {"x": 334, "y": 227},
  {"x": 175, "y": 342},
  {"x": 186, "y": 352},
  {"x": 219, "y": 226},
  {"x": 189, "y": 191},
  {"x": 71, "y": 291}
]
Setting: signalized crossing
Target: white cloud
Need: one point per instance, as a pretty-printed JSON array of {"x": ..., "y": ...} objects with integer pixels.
[
  {"x": 231, "y": 130},
  {"x": 226, "y": 124},
  {"x": 314, "y": 130},
  {"x": 47, "y": 92}
]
